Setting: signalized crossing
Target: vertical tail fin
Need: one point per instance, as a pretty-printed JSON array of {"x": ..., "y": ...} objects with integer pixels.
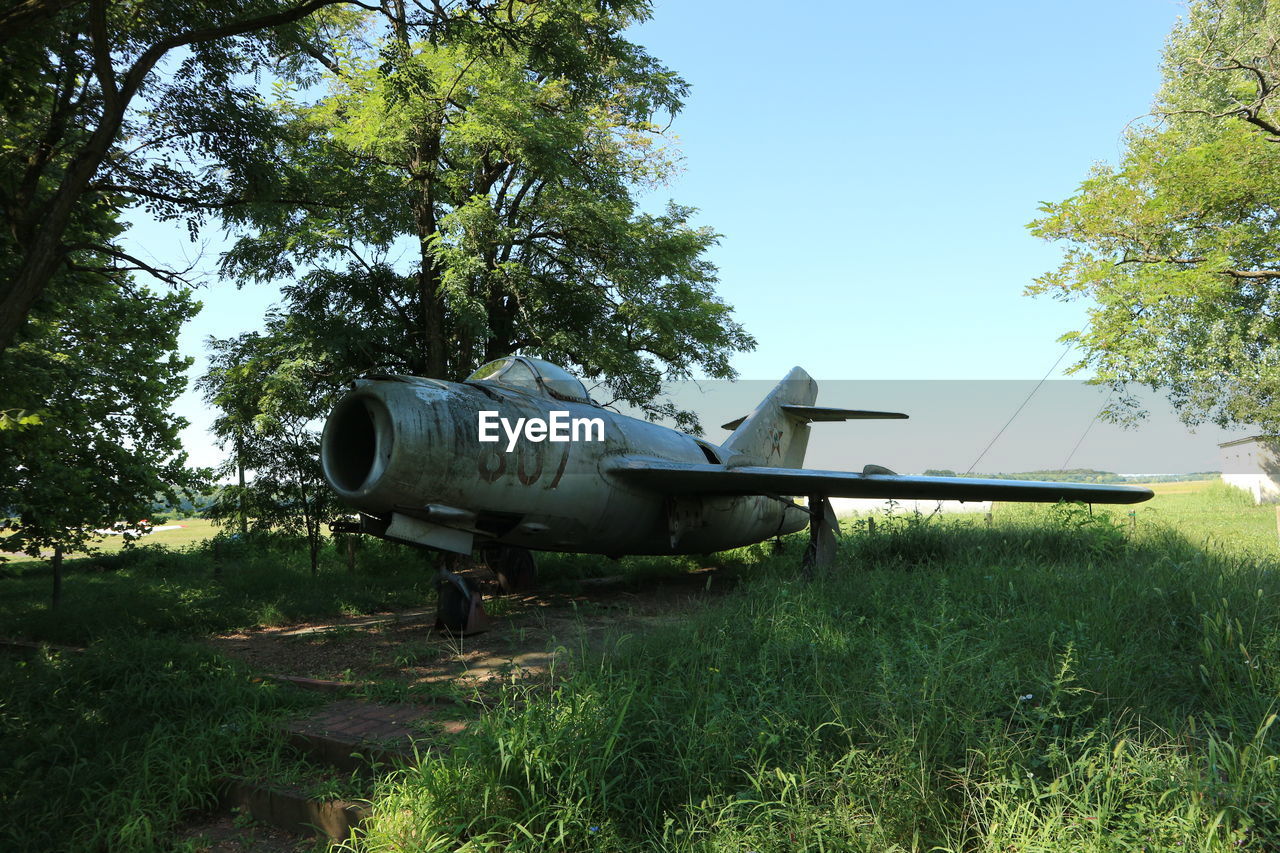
[{"x": 771, "y": 436}]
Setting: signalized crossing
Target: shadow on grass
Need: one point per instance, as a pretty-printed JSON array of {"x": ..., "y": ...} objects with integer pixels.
[
  {"x": 198, "y": 590},
  {"x": 1052, "y": 682},
  {"x": 1047, "y": 684},
  {"x": 264, "y": 581},
  {"x": 111, "y": 749}
]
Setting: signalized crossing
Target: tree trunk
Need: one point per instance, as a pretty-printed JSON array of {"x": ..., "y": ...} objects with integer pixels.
[
  {"x": 433, "y": 359},
  {"x": 311, "y": 521},
  {"x": 313, "y": 543},
  {"x": 244, "y": 520},
  {"x": 56, "y": 562},
  {"x": 431, "y": 354},
  {"x": 44, "y": 250},
  {"x": 502, "y": 321}
]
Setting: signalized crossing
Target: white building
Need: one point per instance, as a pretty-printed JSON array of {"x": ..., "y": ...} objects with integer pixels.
[{"x": 1253, "y": 464}]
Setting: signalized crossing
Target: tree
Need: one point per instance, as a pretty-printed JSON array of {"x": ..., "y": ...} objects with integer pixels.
[
  {"x": 86, "y": 120},
  {"x": 263, "y": 387},
  {"x": 502, "y": 160},
  {"x": 98, "y": 364},
  {"x": 1179, "y": 244}
]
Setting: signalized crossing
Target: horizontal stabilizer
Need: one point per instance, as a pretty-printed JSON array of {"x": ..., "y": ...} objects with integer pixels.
[
  {"x": 824, "y": 413},
  {"x": 677, "y": 478}
]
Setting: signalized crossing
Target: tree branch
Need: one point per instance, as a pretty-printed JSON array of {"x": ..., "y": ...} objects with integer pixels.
[
  {"x": 142, "y": 67},
  {"x": 24, "y": 14},
  {"x": 170, "y": 277},
  {"x": 101, "y": 48},
  {"x": 188, "y": 201},
  {"x": 318, "y": 55},
  {"x": 1233, "y": 273}
]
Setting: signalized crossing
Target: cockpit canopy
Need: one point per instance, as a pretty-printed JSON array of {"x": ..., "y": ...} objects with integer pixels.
[{"x": 533, "y": 376}]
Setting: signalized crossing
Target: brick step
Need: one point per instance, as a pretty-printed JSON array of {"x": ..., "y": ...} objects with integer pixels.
[
  {"x": 331, "y": 686},
  {"x": 352, "y": 734},
  {"x": 290, "y": 808}
]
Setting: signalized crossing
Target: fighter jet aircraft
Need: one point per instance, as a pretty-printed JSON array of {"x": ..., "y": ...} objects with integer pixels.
[{"x": 518, "y": 458}]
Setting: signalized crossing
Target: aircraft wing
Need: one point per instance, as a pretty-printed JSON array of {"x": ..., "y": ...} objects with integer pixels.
[{"x": 677, "y": 478}]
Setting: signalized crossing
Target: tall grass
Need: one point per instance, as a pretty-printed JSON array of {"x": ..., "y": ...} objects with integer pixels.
[
  {"x": 110, "y": 749},
  {"x": 1049, "y": 683}
]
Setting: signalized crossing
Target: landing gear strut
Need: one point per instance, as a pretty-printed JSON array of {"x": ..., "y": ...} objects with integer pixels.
[{"x": 821, "y": 551}]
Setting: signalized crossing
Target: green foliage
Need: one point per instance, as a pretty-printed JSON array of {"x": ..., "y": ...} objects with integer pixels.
[
  {"x": 87, "y": 128},
  {"x": 479, "y": 201},
  {"x": 265, "y": 390},
  {"x": 18, "y": 419},
  {"x": 99, "y": 363},
  {"x": 1176, "y": 478},
  {"x": 1057, "y": 681},
  {"x": 1177, "y": 244},
  {"x": 1074, "y": 475},
  {"x": 263, "y": 580}
]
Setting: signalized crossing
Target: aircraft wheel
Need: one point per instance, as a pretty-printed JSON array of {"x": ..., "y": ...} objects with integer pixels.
[{"x": 516, "y": 570}]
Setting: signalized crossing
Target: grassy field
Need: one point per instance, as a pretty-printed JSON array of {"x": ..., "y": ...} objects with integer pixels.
[
  {"x": 1060, "y": 680},
  {"x": 1056, "y": 682},
  {"x": 191, "y": 531},
  {"x": 1214, "y": 515}
]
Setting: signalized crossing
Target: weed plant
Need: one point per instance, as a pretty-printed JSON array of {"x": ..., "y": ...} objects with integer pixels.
[{"x": 1055, "y": 682}]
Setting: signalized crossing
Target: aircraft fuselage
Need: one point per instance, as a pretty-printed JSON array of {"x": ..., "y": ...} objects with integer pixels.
[{"x": 407, "y": 453}]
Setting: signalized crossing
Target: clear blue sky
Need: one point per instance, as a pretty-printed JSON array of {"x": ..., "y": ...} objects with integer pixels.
[{"x": 871, "y": 168}]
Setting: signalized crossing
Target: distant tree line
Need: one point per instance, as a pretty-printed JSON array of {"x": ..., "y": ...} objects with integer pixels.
[{"x": 1079, "y": 475}]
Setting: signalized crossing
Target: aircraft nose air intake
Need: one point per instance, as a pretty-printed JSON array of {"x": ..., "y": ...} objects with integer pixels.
[{"x": 356, "y": 444}]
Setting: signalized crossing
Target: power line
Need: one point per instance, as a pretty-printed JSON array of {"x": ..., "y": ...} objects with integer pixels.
[
  {"x": 1020, "y": 408},
  {"x": 1096, "y": 415}
]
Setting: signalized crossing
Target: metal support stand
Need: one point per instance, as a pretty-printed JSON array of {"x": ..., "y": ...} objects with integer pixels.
[{"x": 458, "y": 608}]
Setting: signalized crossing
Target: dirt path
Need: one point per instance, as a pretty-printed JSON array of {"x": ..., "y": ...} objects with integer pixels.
[
  {"x": 528, "y": 634},
  {"x": 402, "y": 651}
]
